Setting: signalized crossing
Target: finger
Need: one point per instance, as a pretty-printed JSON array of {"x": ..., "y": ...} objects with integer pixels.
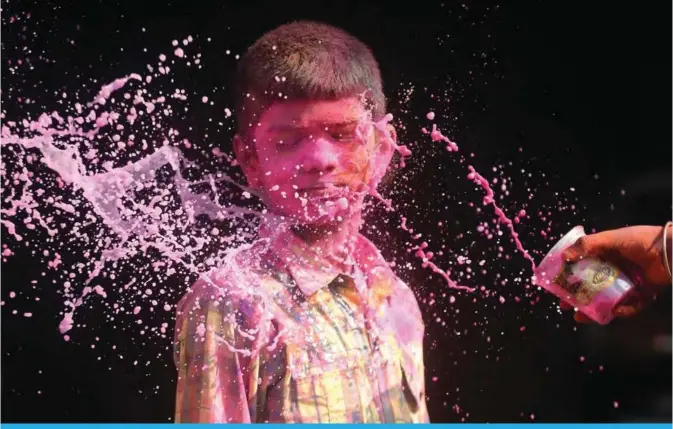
[
  {"x": 565, "y": 306},
  {"x": 625, "y": 310},
  {"x": 581, "y": 318},
  {"x": 577, "y": 250},
  {"x": 593, "y": 245},
  {"x": 630, "y": 304}
]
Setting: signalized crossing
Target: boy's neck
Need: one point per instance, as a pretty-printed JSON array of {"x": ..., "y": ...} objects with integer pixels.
[{"x": 332, "y": 241}]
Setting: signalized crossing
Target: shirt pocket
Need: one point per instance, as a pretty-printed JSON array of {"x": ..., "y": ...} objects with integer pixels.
[
  {"x": 402, "y": 373},
  {"x": 329, "y": 387},
  {"x": 356, "y": 386},
  {"x": 412, "y": 382}
]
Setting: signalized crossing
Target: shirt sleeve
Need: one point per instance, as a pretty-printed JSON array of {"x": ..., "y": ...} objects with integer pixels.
[{"x": 217, "y": 367}]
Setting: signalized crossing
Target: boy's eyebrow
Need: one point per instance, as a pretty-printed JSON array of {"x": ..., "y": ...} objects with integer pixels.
[{"x": 293, "y": 127}]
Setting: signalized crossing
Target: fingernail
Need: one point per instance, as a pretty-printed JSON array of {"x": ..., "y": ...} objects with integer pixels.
[{"x": 624, "y": 311}]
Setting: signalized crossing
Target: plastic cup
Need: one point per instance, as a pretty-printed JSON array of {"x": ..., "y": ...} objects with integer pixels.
[{"x": 592, "y": 286}]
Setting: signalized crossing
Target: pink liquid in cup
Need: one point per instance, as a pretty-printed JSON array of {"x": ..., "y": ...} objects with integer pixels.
[{"x": 592, "y": 286}]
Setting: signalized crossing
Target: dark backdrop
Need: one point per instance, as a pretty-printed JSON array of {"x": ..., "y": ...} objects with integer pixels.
[{"x": 579, "y": 90}]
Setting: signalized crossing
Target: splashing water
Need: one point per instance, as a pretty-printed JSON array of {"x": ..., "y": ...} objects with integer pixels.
[
  {"x": 133, "y": 208},
  {"x": 118, "y": 211},
  {"x": 502, "y": 217}
]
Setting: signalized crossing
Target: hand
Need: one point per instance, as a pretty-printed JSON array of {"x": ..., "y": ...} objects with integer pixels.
[{"x": 636, "y": 250}]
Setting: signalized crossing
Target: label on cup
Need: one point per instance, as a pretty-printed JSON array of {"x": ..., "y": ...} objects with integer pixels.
[{"x": 584, "y": 279}]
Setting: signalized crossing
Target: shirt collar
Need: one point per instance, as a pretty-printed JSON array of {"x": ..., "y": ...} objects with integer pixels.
[{"x": 312, "y": 271}]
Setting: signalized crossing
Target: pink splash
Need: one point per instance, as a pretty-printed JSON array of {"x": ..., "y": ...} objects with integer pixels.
[
  {"x": 6, "y": 251},
  {"x": 426, "y": 256},
  {"x": 107, "y": 90},
  {"x": 106, "y": 195},
  {"x": 201, "y": 330},
  {"x": 382, "y": 127},
  {"x": 56, "y": 262},
  {"x": 489, "y": 199},
  {"x": 437, "y": 136},
  {"x": 66, "y": 323}
]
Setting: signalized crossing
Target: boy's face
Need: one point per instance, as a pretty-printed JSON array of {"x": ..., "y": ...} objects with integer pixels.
[{"x": 310, "y": 162}]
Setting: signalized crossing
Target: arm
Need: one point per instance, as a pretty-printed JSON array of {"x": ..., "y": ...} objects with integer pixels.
[
  {"x": 668, "y": 231},
  {"x": 637, "y": 250},
  {"x": 217, "y": 373}
]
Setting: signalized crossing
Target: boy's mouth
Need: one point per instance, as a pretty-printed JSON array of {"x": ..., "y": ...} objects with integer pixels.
[{"x": 325, "y": 192}]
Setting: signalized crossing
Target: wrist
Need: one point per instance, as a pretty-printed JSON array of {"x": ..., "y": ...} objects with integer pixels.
[
  {"x": 666, "y": 250},
  {"x": 668, "y": 231}
]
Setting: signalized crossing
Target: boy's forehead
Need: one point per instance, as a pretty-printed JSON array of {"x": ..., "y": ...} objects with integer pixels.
[{"x": 313, "y": 112}]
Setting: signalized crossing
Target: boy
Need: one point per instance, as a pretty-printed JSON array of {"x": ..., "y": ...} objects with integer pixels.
[{"x": 308, "y": 324}]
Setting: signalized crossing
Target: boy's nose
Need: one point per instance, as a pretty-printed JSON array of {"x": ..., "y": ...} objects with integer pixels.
[{"x": 321, "y": 157}]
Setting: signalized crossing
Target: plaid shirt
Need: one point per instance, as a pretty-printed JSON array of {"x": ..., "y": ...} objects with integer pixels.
[{"x": 305, "y": 342}]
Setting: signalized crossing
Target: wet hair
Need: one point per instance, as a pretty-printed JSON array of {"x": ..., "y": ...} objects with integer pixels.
[{"x": 305, "y": 60}]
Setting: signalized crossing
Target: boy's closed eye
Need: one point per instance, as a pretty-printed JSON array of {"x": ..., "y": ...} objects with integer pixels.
[
  {"x": 287, "y": 138},
  {"x": 343, "y": 132}
]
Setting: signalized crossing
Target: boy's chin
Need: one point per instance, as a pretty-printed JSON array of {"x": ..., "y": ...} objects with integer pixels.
[{"x": 318, "y": 216}]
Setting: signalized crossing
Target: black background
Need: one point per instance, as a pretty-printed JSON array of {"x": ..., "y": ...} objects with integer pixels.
[{"x": 583, "y": 88}]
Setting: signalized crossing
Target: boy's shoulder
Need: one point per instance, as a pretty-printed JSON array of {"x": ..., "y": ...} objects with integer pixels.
[
  {"x": 237, "y": 285},
  {"x": 372, "y": 261}
]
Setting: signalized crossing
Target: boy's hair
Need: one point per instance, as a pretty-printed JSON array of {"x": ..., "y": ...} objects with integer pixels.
[{"x": 305, "y": 61}]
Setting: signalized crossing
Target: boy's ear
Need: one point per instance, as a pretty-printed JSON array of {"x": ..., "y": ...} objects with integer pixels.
[
  {"x": 383, "y": 154},
  {"x": 246, "y": 156},
  {"x": 393, "y": 132},
  {"x": 387, "y": 146}
]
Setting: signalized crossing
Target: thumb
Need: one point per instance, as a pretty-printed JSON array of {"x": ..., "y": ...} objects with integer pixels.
[
  {"x": 578, "y": 250},
  {"x": 625, "y": 310},
  {"x": 630, "y": 304}
]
